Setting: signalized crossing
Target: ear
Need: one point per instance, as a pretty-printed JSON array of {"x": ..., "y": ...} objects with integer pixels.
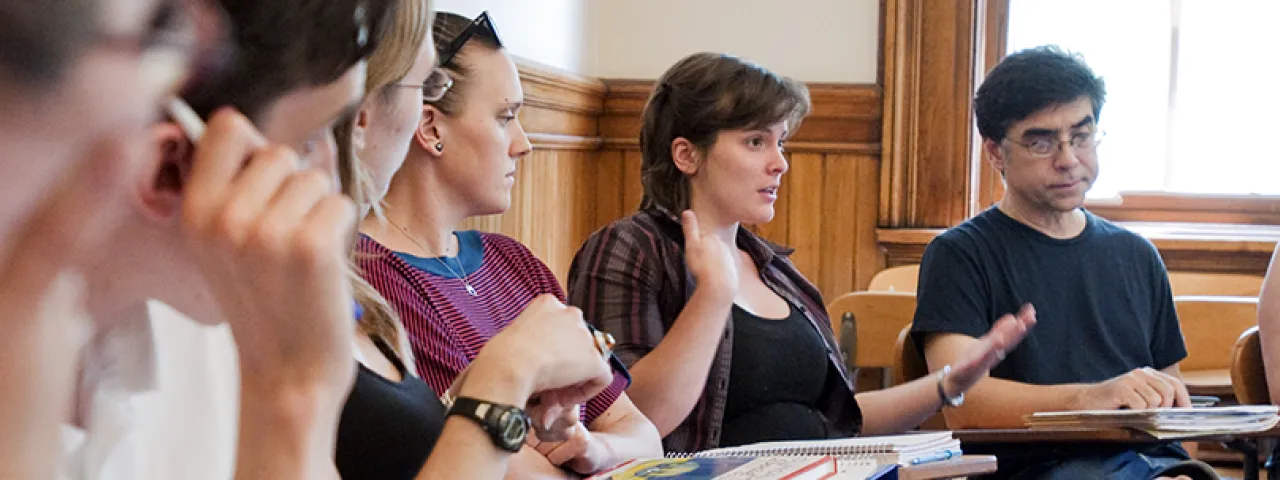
[
  {"x": 160, "y": 183},
  {"x": 428, "y": 136},
  {"x": 686, "y": 155},
  {"x": 358, "y": 129},
  {"x": 995, "y": 154}
]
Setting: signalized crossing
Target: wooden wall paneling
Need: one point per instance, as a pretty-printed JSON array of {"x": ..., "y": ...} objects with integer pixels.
[
  {"x": 929, "y": 47},
  {"x": 805, "y": 218},
  {"x": 632, "y": 187},
  {"x": 869, "y": 258},
  {"x": 839, "y": 242},
  {"x": 606, "y": 176}
]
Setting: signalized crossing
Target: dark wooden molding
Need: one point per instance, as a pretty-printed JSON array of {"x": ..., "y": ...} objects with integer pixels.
[
  {"x": 845, "y": 117},
  {"x": 1184, "y": 247}
]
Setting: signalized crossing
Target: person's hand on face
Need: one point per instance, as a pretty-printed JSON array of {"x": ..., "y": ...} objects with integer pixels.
[{"x": 270, "y": 238}]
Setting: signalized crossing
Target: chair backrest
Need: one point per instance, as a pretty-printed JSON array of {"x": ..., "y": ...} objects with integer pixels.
[
  {"x": 1248, "y": 377},
  {"x": 1224, "y": 284},
  {"x": 910, "y": 365},
  {"x": 867, "y": 323},
  {"x": 1211, "y": 326},
  {"x": 896, "y": 279}
]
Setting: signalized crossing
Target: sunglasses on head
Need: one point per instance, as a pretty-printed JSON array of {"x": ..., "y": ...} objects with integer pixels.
[{"x": 482, "y": 26}]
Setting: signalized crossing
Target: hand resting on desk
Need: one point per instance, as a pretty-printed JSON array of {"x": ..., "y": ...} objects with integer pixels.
[{"x": 1140, "y": 388}]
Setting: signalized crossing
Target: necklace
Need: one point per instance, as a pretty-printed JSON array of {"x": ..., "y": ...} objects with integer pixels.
[{"x": 460, "y": 276}]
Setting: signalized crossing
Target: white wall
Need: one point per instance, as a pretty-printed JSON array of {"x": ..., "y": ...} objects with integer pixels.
[
  {"x": 811, "y": 40},
  {"x": 553, "y": 32}
]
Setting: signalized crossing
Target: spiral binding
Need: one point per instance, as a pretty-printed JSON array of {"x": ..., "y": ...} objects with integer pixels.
[{"x": 844, "y": 451}]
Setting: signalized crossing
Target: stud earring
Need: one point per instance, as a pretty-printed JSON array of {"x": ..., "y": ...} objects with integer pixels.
[{"x": 439, "y": 147}]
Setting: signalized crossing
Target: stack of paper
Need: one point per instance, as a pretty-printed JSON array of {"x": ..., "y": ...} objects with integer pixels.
[{"x": 1167, "y": 422}]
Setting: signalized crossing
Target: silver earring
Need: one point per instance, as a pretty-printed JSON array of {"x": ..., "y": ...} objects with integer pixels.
[{"x": 439, "y": 147}]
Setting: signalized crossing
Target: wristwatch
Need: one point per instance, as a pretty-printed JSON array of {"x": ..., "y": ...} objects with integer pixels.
[
  {"x": 506, "y": 425},
  {"x": 948, "y": 401}
]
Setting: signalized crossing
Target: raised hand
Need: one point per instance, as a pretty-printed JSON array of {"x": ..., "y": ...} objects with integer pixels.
[
  {"x": 710, "y": 260},
  {"x": 1006, "y": 334}
]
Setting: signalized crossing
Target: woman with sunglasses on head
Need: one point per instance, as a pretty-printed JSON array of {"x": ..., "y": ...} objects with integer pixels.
[
  {"x": 728, "y": 342},
  {"x": 456, "y": 290},
  {"x": 392, "y": 420}
]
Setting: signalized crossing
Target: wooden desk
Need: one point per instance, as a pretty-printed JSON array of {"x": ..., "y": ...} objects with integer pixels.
[
  {"x": 1078, "y": 434},
  {"x": 965, "y": 466},
  {"x": 1216, "y": 382}
]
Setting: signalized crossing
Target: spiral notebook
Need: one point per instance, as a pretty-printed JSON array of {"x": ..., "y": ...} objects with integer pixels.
[
  {"x": 726, "y": 468},
  {"x": 887, "y": 449}
]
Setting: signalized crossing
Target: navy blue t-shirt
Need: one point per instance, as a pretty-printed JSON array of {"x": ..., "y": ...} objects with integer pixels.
[
  {"x": 1103, "y": 307},
  {"x": 1102, "y": 299}
]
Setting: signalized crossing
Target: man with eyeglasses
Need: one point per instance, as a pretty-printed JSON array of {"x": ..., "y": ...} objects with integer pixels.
[{"x": 1107, "y": 336}]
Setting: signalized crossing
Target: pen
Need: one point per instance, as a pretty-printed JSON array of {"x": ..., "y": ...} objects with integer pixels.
[
  {"x": 937, "y": 457},
  {"x": 186, "y": 118}
]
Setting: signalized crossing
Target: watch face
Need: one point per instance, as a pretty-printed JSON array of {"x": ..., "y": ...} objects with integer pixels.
[{"x": 514, "y": 427}]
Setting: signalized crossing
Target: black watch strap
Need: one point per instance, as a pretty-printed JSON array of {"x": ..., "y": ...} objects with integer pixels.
[{"x": 506, "y": 425}]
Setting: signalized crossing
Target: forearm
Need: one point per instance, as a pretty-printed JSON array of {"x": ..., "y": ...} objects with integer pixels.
[
  {"x": 897, "y": 409},
  {"x": 668, "y": 381},
  {"x": 286, "y": 433},
  {"x": 626, "y": 433},
  {"x": 531, "y": 465},
  {"x": 999, "y": 403}
]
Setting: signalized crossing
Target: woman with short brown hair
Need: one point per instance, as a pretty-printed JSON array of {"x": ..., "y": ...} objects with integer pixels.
[{"x": 727, "y": 342}]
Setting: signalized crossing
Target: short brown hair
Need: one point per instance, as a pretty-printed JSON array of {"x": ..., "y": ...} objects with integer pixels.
[
  {"x": 39, "y": 38},
  {"x": 696, "y": 99},
  {"x": 282, "y": 45},
  {"x": 448, "y": 26}
]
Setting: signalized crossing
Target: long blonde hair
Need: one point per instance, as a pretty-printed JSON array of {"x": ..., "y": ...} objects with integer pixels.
[{"x": 389, "y": 64}]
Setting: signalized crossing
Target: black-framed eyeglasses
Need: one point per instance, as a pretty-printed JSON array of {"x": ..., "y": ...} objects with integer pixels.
[
  {"x": 434, "y": 87},
  {"x": 482, "y": 26}
]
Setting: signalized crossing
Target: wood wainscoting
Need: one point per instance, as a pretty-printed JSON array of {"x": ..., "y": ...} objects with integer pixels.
[{"x": 584, "y": 172}]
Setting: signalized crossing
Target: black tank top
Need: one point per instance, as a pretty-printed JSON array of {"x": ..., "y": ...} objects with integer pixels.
[
  {"x": 777, "y": 374},
  {"x": 387, "y": 428}
]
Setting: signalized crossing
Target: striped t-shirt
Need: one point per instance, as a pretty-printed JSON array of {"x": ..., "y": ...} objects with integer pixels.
[{"x": 446, "y": 325}]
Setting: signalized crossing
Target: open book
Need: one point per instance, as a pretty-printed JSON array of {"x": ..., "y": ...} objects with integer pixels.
[
  {"x": 1166, "y": 422},
  {"x": 726, "y": 468},
  {"x": 887, "y": 449}
]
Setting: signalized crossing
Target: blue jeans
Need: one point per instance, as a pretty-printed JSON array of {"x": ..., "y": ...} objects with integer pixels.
[{"x": 1124, "y": 465}]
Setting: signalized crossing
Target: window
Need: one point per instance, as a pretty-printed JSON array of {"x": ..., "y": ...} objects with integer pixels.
[{"x": 1193, "y": 89}]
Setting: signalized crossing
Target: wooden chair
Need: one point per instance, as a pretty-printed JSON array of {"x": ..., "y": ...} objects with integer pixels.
[
  {"x": 1210, "y": 327},
  {"x": 896, "y": 279},
  {"x": 1248, "y": 377},
  {"x": 867, "y": 324},
  {"x": 1249, "y": 382},
  {"x": 910, "y": 365},
  {"x": 1220, "y": 284}
]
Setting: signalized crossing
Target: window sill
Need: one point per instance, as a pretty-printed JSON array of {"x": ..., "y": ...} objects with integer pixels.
[{"x": 1201, "y": 247}]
